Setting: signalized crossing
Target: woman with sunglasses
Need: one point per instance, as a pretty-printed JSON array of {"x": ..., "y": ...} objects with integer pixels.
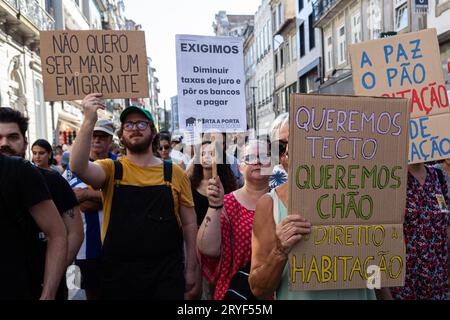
[
  {"x": 164, "y": 149},
  {"x": 224, "y": 238},
  {"x": 279, "y": 136},
  {"x": 274, "y": 235}
]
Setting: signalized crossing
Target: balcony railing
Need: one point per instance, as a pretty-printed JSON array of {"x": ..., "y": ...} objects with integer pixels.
[
  {"x": 322, "y": 7},
  {"x": 31, "y": 10}
]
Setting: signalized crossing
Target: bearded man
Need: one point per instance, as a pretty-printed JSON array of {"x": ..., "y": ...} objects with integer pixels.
[{"x": 148, "y": 212}]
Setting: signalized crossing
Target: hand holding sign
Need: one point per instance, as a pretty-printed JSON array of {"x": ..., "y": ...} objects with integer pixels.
[
  {"x": 215, "y": 192},
  {"x": 91, "y": 103},
  {"x": 290, "y": 231}
]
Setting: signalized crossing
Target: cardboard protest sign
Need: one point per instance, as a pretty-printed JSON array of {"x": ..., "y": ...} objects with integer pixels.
[
  {"x": 348, "y": 171},
  {"x": 429, "y": 138},
  {"x": 211, "y": 92},
  {"x": 77, "y": 63},
  {"x": 406, "y": 65}
]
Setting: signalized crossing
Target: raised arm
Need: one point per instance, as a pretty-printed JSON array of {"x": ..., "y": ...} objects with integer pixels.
[
  {"x": 87, "y": 171},
  {"x": 209, "y": 238}
]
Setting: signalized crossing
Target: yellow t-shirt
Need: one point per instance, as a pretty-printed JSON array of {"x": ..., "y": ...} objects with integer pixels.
[{"x": 134, "y": 175}]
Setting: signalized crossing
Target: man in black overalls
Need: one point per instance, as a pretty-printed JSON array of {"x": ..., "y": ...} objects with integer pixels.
[{"x": 148, "y": 212}]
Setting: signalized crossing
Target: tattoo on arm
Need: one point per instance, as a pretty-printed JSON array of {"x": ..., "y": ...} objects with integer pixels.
[
  {"x": 208, "y": 220},
  {"x": 70, "y": 213}
]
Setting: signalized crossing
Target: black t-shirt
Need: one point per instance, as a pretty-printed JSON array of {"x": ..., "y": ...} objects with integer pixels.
[
  {"x": 21, "y": 187},
  {"x": 201, "y": 204},
  {"x": 64, "y": 199}
]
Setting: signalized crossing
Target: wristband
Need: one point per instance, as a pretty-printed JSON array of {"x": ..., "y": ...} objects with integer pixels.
[{"x": 216, "y": 207}]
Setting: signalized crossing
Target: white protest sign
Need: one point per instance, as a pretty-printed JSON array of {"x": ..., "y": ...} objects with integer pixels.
[{"x": 211, "y": 92}]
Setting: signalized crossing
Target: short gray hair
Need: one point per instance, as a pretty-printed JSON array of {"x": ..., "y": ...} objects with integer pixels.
[{"x": 277, "y": 124}]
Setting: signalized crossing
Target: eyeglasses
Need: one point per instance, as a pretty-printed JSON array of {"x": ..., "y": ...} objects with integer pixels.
[
  {"x": 140, "y": 125},
  {"x": 255, "y": 159},
  {"x": 161, "y": 148}
]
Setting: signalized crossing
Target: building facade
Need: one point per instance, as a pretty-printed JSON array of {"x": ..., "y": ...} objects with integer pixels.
[
  {"x": 439, "y": 18},
  {"x": 309, "y": 48},
  {"x": 264, "y": 75},
  {"x": 231, "y": 25},
  {"x": 284, "y": 31},
  {"x": 21, "y": 85},
  {"x": 347, "y": 22},
  {"x": 174, "y": 114},
  {"x": 249, "y": 68}
]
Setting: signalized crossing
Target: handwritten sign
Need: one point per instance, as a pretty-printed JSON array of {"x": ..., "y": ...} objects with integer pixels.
[
  {"x": 211, "y": 83},
  {"x": 407, "y": 66},
  {"x": 348, "y": 169},
  {"x": 77, "y": 63}
]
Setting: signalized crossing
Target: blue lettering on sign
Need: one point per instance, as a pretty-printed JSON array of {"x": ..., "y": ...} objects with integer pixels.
[
  {"x": 416, "y": 49},
  {"x": 391, "y": 74},
  {"x": 423, "y": 127},
  {"x": 388, "y": 50},
  {"x": 365, "y": 83},
  {"x": 365, "y": 60},
  {"x": 401, "y": 53}
]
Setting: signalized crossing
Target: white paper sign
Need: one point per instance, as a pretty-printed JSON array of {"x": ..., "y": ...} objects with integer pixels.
[{"x": 211, "y": 79}]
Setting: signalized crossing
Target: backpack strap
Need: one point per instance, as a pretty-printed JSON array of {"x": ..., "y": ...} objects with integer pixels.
[
  {"x": 168, "y": 171},
  {"x": 118, "y": 171}
]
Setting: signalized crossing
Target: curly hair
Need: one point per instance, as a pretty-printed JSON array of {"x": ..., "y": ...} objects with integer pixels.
[{"x": 195, "y": 173}]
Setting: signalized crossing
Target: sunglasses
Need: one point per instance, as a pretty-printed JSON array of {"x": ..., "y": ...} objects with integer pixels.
[
  {"x": 282, "y": 146},
  {"x": 161, "y": 148},
  {"x": 140, "y": 125},
  {"x": 255, "y": 159}
]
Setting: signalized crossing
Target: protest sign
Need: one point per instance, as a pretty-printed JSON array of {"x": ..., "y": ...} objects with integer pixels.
[
  {"x": 406, "y": 65},
  {"x": 347, "y": 172},
  {"x": 211, "y": 92},
  {"x": 77, "y": 63}
]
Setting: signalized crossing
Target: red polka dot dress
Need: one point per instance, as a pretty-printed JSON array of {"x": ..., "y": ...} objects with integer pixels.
[{"x": 236, "y": 230}]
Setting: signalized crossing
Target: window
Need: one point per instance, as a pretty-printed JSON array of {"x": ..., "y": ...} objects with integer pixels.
[
  {"x": 374, "y": 19},
  {"x": 287, "y": 52},
  {"x": 294, "y": 47},
  {"x": 41, "y": 115},
  {"x": 341, "y": 45},
  {"x": 329, "y": 54},
  {"x": 301, "y": 31},
  {"x": 280, "y": 15},
  {"x": 281, "y": 58},
  {"x": 274, "y": 22},
  {"x": 401, "y": 15},
  {"x": 268, "y": 34},
  {"x": 276, "y": 62},
  {"x": 356, "y": 27},
  {"x": 312, "y": 36},
  {"x": 259, "y": 92},
  {"x": 264, "y": 39},
  {"x": 300, "y": 5},
  {"x": 266, "y": 81}
]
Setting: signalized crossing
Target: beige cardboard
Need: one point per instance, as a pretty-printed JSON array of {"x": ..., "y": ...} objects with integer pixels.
[
  {"x": 428, "y": 98},
  {"x": 339, "y": 257},
  {"x": 76, "y": 63},
  {"x": 430, "y": 138},
  {"x": 373, "y": 196},
  {"x": 412, "y": 53}
]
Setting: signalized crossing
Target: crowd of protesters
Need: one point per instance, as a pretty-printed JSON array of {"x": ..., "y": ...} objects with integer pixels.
[{"x": 149, "y": 219}]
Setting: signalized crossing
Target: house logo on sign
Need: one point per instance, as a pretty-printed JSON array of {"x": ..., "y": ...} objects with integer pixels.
[{"x": 190, "y": 122}]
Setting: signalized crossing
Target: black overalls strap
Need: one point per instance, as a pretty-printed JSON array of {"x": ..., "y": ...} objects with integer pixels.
[{"x": 143, "y": 247}]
